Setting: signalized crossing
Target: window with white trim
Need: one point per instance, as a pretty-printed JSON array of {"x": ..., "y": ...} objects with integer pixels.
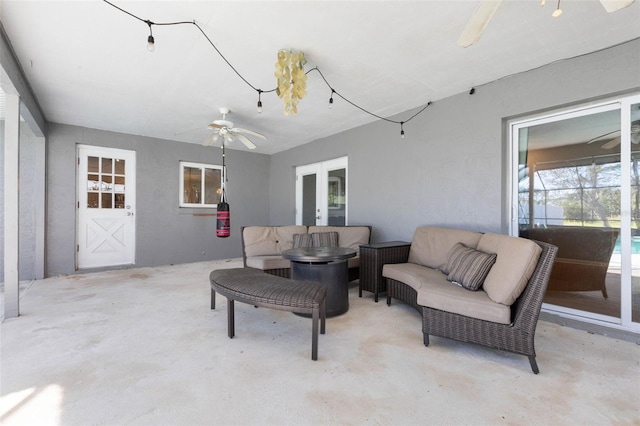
[{"x": 200, "y": 185}]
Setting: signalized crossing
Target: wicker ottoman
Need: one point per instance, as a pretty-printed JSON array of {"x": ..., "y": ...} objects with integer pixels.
[{"x": 252, "y": 286}]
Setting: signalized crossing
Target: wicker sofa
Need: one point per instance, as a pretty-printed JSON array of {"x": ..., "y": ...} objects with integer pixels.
[
  {"x": 502, "y": 313},
  {"x": 262, "y": 246}
]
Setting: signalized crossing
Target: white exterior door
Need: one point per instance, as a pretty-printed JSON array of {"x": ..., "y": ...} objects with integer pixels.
[
  {"x": 106, "y": 207},
  {"x": 321, "y": 193}
]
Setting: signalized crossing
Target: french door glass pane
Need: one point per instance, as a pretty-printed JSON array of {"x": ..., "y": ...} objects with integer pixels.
[
  {"x": 336, "y": 197},
  {"x": 309, "y": 200},
  {"x": 569, "y": 195}
]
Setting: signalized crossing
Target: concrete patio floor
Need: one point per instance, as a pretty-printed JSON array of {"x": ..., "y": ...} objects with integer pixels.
[{"x": 141, "y": 346}]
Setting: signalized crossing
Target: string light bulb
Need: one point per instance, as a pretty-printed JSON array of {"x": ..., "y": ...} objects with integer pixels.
[
  {"x": 402, "y": 129},
  {"x": 331, "y": 98},
  {"x": 558, "y": 11},
  {"x": 151, "y": 43},
  {"x": 259, "y": 101}
]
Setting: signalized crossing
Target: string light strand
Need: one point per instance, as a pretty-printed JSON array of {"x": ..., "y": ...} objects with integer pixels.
[{"x": 260, "y": 91}]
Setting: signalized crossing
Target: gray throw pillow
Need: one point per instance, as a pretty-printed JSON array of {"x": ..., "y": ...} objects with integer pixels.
[
  {"x": 468, "y": 267},
  {"x": 324, "y": 239},
  {"x": 302, "y": 240}
]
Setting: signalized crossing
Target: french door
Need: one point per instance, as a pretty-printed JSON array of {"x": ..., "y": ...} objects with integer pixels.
[
  {"x": 576, "y": 184},
  {"x": 105, "y": 207},
  {"x": 321, "y": 193}
]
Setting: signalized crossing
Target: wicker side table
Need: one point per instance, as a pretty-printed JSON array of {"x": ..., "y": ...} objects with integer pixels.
[{"x": 373, "y": 257}]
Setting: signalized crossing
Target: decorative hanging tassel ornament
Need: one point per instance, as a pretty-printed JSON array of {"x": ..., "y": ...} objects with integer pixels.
[{"x": 223, "y": 220}]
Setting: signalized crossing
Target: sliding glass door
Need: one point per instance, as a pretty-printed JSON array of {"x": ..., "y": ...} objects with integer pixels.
[{"x": 575, "y": 184}]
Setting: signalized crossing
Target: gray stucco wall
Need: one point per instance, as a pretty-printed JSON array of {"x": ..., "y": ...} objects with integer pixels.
[
  {"x": 165, "y": 233},
  {"x": 451, "y": 168},
  {"x": 28, "y": 204}
]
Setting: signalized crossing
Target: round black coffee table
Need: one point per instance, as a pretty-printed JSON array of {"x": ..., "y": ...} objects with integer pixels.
[{"x": 327, "y": 265}]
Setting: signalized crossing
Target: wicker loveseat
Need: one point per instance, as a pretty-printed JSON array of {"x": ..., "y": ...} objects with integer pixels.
[
  {"x": 501, "y": 314},
  {"x": 262, "y": 246}
]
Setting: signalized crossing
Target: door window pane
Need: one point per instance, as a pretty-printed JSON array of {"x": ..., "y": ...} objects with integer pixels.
[
  {"x": 107, "y": 165},
  {"x": 119, "y": 198},
  {"x": 119, "y": 167},
  {"x": 93, "y": 165},
  {"x": 336, "y": 198},
  {"x": 106, "y": 200},
  {"x": 569, "y": 195},
  {"x": 309, "y": 200},
  {"x": 93, "y": 200}
]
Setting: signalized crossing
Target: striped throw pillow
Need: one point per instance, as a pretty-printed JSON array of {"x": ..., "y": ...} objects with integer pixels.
[
  {"x": 468, "y": 267},
  {"x": 301, "y": 240},
  {"x": 324, "y": 239}
]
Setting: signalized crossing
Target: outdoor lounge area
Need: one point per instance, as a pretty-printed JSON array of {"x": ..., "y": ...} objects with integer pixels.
[
  {"x": 376, "y": 191},
  {"x": 87, "y": 351}
]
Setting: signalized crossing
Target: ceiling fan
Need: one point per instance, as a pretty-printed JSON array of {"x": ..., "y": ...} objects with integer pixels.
[
  {"x": 224, "y": 131},
  {"x": 480, "y": 19},
  {"x": 635, "y": 137}
]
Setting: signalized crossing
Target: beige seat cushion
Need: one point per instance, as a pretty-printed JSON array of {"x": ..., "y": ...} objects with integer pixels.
[
  {"x": 269, "y": 240},
  {"x": 410, "y": 274},
  {"x": 268, "y": 262},
  {"x": 431, "y": 246},
  {"x": 438, "y": 293},
  {"x": 516, "y": 261},
  {"x": 348, "y": 236}
]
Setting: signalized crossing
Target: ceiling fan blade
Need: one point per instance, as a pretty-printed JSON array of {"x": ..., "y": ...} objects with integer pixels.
[
  {"x": 613, "y": 5},
  {"x": 592, "y": 140},
  {"x": 478, "y": 22},
  {"x": 190, "y": 130},
  {"x": 249, "y": 132},
  {"x": 246, "y": 141},
  {"x": 612, "y": 143},
  {"x": 215, "y": 126}
]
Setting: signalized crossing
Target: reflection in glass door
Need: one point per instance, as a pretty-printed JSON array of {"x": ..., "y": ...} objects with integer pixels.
[
  {"x": 570, "y": 191},
  {"x": 321, "y": 193},
  {"x": 633, "y": 133}
]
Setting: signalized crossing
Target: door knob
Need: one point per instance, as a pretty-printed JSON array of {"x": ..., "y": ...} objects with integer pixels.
[
  {"x": 317, "y": 217},
  {"x": 129, "y": 213}
]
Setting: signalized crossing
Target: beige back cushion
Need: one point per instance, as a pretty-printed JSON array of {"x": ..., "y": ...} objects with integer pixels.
[
  {"x": 516, "y": 261},
  {"x": 266, "y": 240},
  {"x": 348, "y": 236},
  {"x": 431, "y": 246}
]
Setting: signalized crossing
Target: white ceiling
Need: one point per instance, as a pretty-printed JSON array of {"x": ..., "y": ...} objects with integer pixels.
[{"x": 88, "y": 64}]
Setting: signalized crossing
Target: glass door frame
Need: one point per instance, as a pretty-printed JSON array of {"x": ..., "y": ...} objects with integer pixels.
[
  {"x": 321, "y": 170},
  {"x": 513, "y": 127}
]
